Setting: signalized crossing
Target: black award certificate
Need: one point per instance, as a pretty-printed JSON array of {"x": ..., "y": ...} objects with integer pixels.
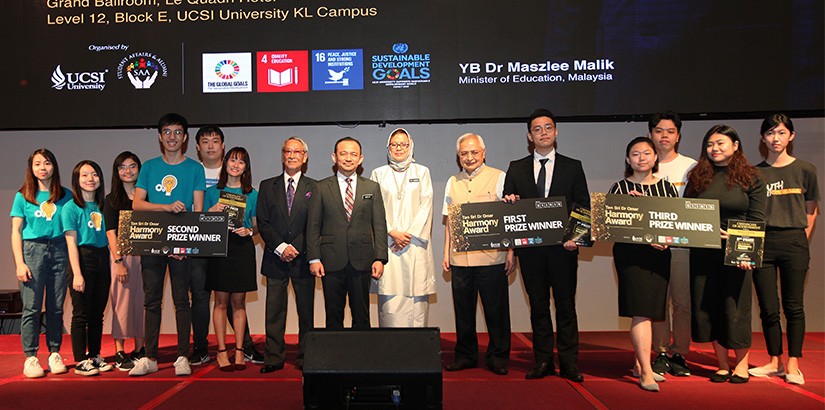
[
  {"x": 578, "y": 226},
  {"x": 495, "y": 225},
  {"x": 235, "y": 208},
  {"x": 164, "y": 233},
  {"x": 746, "y": 243}
]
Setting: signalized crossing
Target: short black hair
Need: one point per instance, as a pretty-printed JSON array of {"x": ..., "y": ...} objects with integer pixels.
[
  {"x": 347, "y": 138},
  {"x": 173, "y": 119},
  {"x": 541, "y": 112},
  {"x": 208, "y": 130},
  {"x": 667, "y": 115}
]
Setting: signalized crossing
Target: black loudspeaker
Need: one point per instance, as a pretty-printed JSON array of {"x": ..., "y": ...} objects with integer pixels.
[{"x": 375, "y": 368}]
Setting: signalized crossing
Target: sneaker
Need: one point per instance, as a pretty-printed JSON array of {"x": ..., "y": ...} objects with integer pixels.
[
  {"x": 123, "y": 362},
  {"x": 199, "y": 356},
  {"x": 661, "y": 364},
  {"x": 138, "y": 354},
  {"x": 56, "y": 365},
  {"x": 101, "y": 364},
  {"x": 86, "y": 368},
  {"x": 251, "y": 354},
  {"x": 144, "y": 366},
  {"x": 678, "y": 366},
  {"x": 32, "y": 369},
  {"x": 182, "y": 366}
]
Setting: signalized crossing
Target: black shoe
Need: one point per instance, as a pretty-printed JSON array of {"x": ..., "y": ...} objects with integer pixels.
[
  {"x": 138, "y": 354},
  {"x": 661, "y": 364},
  {"x": 268, "y": 368},
  {"x": 459, "y": 365},
  {"x": 572, "y": 373},
  {"x": 500, "y": 370},
  {"x": 123, "y": 362},
  {"x": 678, "y": 366},
  {"x": 538, "y": 372},
  {"x": 738, "y": 379},
  {"x": 251, "y": 354},
  {"x": 199, "y": 356},
  {"x": 720, "y": 377}
]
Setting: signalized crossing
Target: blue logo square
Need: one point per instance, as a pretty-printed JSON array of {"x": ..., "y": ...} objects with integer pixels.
[{"x": 337, "y": 69}]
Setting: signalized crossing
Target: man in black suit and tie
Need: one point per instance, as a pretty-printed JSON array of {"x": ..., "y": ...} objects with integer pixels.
[
  {"x": 283, "y": 204},
  {"x": 346, "y": 237},
  {"x": 544, "y": 174}
]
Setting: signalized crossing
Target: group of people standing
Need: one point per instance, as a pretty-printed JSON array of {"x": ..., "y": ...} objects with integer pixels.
[{"x": 362, "y": 235}]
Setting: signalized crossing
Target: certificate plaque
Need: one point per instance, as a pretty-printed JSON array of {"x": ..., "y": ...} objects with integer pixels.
[
  {"x": 746, "y": 243},
  {"x": 164, "y": 233},
  {"x": 496, "y": 225},
  {"x": 235, "y": 208}
]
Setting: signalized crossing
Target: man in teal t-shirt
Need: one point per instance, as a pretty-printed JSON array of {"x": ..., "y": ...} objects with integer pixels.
[{"x": 169, "y": 183}]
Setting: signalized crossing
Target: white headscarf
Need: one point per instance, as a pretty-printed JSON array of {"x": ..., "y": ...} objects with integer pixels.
[{"x": 402, "y": 165}]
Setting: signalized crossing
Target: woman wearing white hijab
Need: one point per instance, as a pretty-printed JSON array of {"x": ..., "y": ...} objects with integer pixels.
[{"x": 409, "y": 276}]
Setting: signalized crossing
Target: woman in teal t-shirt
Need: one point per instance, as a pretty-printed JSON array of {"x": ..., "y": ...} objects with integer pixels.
[
  {"x": 40, "y": 258},
  {"x": 231, "y": 277},
  {"x": 90, "y": 275}
]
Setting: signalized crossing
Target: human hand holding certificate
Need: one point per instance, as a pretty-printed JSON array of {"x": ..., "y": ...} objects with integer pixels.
[{"x": 496, "y": 225}]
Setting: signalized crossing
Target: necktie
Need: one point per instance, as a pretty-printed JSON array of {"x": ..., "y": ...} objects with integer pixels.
[
  {"x": 541, "y": 180},
  {"x": 349, "y": 199},
  {"x": 290, "y": 196}
]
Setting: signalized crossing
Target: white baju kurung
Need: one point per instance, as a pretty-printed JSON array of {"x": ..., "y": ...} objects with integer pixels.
[{"x": 410, "y": 272}]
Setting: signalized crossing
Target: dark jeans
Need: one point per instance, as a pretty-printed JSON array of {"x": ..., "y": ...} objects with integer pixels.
[
  {"x": 337, "y": 285},
  {"x": 786, "y": 256},
  {"x": 153, "y": 269},
  {"x": 491, "y": 283},
  {"x": 88, "y": 306},
  {"x": 543, "y": 269},
  {"x": 200, "y": 303}
]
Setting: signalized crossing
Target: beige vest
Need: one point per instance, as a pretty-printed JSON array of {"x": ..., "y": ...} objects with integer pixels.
[{"x": 478, "y": 188}]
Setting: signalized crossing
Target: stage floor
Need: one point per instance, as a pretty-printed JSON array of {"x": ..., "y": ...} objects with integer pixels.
[{"x": 605, "y": 359}]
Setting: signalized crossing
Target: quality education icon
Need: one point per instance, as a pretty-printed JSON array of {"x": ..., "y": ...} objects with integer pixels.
[{"x": 282, "y": 71}]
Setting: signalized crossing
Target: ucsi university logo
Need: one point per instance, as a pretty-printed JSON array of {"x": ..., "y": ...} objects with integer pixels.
[{"x": 86, "y": 80}]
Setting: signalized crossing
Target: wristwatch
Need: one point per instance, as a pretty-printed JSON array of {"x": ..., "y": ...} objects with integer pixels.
[{"x": 119, "y": 260}]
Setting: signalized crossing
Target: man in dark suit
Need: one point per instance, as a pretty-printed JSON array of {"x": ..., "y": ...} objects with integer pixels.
[
  {"x": 544, "y": 174},
  {"x": 346, "y": 237},
  {"x": 283, "y": 205}
]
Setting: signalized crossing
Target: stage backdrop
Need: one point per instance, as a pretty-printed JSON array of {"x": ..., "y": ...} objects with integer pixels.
[{"x": 122, "y": 63}]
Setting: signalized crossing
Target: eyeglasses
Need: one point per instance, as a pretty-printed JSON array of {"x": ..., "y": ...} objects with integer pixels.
[
  {"x": 168, "y": 132},
  {"x": 289, "y": 152},
  {"x": 538, "y": 128},
  {"x": 127, "y": 167},
  {"x": 399, "y": 145},
  {"x": 474, "y": 154}
]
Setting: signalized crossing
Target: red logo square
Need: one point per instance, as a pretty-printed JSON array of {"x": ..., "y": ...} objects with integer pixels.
[{"x": 283, "y": 71}]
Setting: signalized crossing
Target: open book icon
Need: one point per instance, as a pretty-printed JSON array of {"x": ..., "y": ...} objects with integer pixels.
[{"x": 282, "y": 78}]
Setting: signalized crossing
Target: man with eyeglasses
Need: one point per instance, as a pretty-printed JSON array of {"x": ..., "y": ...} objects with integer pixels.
[
  {"x": 283, "y": 204},
  {"x": 477, "y": 273},
  {"x": 665, "y": 130},
  {"x": 346, "y": 237},
  {"x": 169, "y": 183},
  {"x": 545, "y": 173}
]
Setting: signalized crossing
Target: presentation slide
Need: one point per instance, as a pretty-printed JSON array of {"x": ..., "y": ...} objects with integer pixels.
[{"x": 124, "y": 63}]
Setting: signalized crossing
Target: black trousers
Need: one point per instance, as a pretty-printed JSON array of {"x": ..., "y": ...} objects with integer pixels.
[
  {"x": 491, "y": 283},
  {"x": 276, "y": 312},
  {"x": 721, "y": 298},
  {"x": 88, "y": 306},
  {"x": 553, "y": 268},
  {"x": 337, "y": 287},
  {"x": 787, "y": 257}
]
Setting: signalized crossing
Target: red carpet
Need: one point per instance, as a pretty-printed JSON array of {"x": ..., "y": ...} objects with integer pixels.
[{"x": 605, "y": 359}]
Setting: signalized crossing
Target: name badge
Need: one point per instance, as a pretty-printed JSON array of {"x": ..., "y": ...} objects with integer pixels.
[
  {"x": 414, "y": 179},
  {"x": 366, "y": 196}
]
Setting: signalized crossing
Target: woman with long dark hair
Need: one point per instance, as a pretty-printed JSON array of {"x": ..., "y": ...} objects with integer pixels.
[
  {"x": 793, "y": 202},
  {"x": 90, "y": 275},
  {"x": 40, "y": 258},
  {"x": 126, "y": 293},
  {"x": 643, "y": 270},
  {"x": 231, "y": 277},
  {"x": 721, "y": 295}
]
